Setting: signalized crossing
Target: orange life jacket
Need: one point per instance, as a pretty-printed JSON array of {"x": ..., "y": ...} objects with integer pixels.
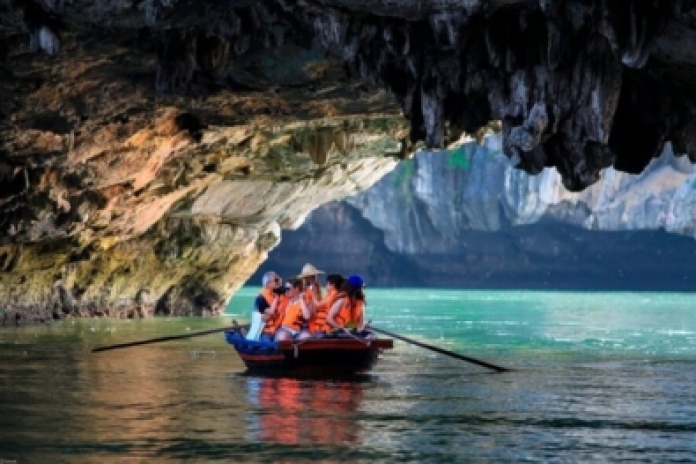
[
  {"x": 273, "y": 322},
  {"x": 350, "y": 315},
  {"x": 309, "y": 294},
  {"x": 293, "y": 318},
  {"x": 317, "y": 323}
]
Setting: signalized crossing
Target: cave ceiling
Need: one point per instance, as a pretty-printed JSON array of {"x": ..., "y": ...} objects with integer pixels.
[{"x": 578, "y": 85}]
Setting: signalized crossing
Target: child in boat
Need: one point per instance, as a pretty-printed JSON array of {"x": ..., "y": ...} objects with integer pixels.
[
  {"x": 297, "y": 313},
  {"x": 317, "y": 323},
  {"x": 348, "y": 310}
]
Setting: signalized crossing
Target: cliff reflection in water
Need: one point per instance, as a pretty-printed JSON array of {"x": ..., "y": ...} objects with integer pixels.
[{"x": 292, "y": 412}]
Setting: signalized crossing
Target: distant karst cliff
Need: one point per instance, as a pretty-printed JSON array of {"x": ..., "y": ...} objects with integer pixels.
[
  {"x": 151, "y": 151},
  {"x": 466, "y": 218}
]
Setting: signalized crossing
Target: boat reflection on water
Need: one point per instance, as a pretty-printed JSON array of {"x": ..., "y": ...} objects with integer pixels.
[{"x": 290, "y": 411}]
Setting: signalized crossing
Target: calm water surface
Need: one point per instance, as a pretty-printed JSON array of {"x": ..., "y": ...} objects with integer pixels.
[{"x": 598, "y": 377}]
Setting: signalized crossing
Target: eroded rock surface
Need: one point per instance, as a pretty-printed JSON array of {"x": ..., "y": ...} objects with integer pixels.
[
  {"x": 466, "y": 218},
  {"x": 428, "y": 202},
  {"x": 126, "y": 125},
  {"x": 159, "y": 223}
]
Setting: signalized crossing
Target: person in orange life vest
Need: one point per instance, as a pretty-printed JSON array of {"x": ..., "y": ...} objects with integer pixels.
[
  {"x": 297, "y": 313},
  {"x": 309, "y": 276},
  {"x": 348, "y": 311},
  {"x": 275, "y": 314},
  {"x": 317, "y": 323},
  {"x": 267, "y": 303}
]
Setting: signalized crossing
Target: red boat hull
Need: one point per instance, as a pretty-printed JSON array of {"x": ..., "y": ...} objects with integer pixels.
[{"x": 327, "y": 356}]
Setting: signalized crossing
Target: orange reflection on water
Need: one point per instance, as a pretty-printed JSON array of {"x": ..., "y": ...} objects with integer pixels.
[{"x": 306, "y": 412}]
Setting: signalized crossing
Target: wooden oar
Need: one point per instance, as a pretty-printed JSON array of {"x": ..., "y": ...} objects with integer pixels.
[
  {"x": 168, "y": 338},
  {"x": 438, "y": 350}
]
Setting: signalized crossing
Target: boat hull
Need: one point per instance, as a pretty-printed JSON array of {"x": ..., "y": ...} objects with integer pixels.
[{"x": 320, "y": 357}]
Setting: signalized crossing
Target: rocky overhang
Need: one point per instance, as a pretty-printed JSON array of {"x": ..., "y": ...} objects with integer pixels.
[{"x": 151, "y": 150}]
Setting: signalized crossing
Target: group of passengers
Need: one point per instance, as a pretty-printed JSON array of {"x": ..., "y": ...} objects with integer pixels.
[{"x": 300, "y": 309}]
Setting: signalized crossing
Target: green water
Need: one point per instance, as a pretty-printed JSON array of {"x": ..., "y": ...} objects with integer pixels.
[{"x": 597, "y": 377}]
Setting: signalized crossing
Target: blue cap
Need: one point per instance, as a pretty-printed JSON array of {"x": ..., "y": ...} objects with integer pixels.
[{"x": 356, "y": 281}]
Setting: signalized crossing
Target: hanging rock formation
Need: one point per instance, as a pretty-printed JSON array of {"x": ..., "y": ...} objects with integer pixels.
[{"x": 149, "y": 129}]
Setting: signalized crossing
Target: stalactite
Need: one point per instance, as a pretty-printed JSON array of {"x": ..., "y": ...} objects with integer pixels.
[
  {"x": 213, "y": 54},
  {"x": 564, "y": 56},
  {"x": 48, "y": 41},
  {"x": 176, "y": 62},
  {"x": 450, "y": 69},
  {"x": 242, "y": 44},
  {"x": 54, "y": 5}
]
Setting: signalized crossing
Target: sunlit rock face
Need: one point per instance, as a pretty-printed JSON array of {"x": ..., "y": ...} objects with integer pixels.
[
  {"x": 466, "y": 218},
  {"x": 426, "y": 203},
  {"x": 160, "y": 222},
  {"x": 124, "y": 121}
]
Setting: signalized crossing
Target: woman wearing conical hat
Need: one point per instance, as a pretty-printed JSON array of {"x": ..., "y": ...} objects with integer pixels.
[{"x": 309, "y": 277}]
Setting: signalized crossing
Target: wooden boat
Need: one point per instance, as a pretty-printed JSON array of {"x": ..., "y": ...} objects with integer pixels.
[{"x": 339, "y": 356}]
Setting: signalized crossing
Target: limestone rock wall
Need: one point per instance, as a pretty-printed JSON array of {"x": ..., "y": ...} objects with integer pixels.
[
  {"x": 426, "y": 204},
  {"x": 466, "y": 217},
  {"x": 161, "y": 222}
]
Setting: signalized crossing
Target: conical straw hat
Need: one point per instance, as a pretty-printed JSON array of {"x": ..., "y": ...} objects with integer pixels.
[{"x": 309, "y": 270}]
